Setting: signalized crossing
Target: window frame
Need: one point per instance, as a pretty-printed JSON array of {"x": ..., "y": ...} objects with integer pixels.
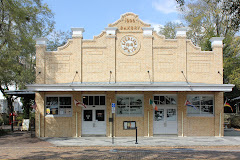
[
  {"x": 200, "y": 114},
  {"x": 58, "y": 96},
  {"x": 129, "y": 115},
  {"x": 166, "y": 105},
  {"x": 83, "y": 95}
]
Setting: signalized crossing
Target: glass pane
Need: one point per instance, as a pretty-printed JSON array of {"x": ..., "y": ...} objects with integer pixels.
[
  {"x": 90, "y": 100},
  {"x": 135, "y": 109},
  {"x": 85, "y": 100},
  {"x": 53, "y": 101},
  {"x": 193, "y": 110},
  {"x": 173, "y": 101},
  {"x": 96, "y": 100},
  {"x": 168, "y": 99},
  {"x": 123, "y": 109},
  {"x": 87, "y": 115},
  {"x": 206, "y": 109},
  {"x": 159, "y": 115},
  {"x": 65, "y": 100},
  {"x": 51, "y": 110},
  {"x": 122, "y": 100},
  {"x": 162, "y": 100},
  {"x": 65, "y": 111},
  {"x": 102, "y": 100},
  {"x": 100, "y": 115},
  {"x": 137, "y": 100},
  {"x": 171, "y": 115},
  {"x": 195, "y": 100},
  {"x": 156, "y": 100},
  {"x": 207, "y": 100}
]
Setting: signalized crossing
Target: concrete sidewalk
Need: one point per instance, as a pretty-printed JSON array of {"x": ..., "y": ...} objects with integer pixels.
[{"x": 146, "y": 141}]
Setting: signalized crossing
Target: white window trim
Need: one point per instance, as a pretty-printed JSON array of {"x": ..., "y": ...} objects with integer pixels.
[
  {"x": 58, "y": 95},
  {"x": 202, "y": 115},
  {"x": 130, "y": 115}
]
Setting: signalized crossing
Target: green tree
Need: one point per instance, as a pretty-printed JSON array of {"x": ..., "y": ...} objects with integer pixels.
[
  {"x": 21, "y": 21},
  {"x": 57, "y": 38},
  {"x": 169, "y": 29},
  {"x": 216, "y": 18}
]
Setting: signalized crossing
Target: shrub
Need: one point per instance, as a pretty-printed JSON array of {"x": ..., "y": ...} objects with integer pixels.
[{"x": 235, "y": 121}]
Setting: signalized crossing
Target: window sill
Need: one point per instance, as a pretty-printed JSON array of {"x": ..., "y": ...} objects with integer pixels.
[{"x": 200, "y": 115}]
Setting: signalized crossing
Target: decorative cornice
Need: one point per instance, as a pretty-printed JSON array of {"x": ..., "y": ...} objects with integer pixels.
[
  {"x": 100, "y": 35},
  {"x": 128, "y": 14},
  {"x": 70, "y": 41}
]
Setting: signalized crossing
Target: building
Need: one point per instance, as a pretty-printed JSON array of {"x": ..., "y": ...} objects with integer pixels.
[
  {"x": 17, "y": 104},
  {"x": 128, "y": 64}
]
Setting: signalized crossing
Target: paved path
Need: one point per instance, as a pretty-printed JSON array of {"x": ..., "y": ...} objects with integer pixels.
[{"x": 146, "y": 141}]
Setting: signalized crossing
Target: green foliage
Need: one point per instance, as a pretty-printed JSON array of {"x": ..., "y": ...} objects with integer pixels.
[
  {"x": 216, "y": 18},
  {"x": 21, "y": 21},
  {"x": 169, "y": 30},
  {"x": 235, "y": 121},
  {"x": 57, "y": 39}
]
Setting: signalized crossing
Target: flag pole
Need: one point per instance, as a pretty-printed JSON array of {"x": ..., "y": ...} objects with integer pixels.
[
  {"x": 148, "y": 123},
  {"x": 182, "y": 123},
  {"x": 220, "y": 126}
]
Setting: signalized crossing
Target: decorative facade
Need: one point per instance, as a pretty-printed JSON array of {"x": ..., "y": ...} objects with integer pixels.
[{"x": 126, "y": 66}]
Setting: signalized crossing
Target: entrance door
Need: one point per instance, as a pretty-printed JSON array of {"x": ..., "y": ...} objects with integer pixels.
[
  {"x": 94, "y": 116},
  {"x": 165, "y": 119}
]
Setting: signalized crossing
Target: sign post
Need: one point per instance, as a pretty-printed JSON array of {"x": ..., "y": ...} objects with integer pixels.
[{"x": 113, "y": 111}]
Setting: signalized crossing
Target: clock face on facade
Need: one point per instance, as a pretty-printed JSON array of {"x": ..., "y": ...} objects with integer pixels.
[{"x": 129, "y": 45}]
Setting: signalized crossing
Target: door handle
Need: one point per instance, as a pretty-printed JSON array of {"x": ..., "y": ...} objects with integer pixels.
[
  {"x": 165, "y": 124},
  {"x": 94, "y": 124}
]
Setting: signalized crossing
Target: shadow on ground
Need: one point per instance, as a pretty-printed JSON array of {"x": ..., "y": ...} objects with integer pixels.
[{"x": 175, "y": 153}]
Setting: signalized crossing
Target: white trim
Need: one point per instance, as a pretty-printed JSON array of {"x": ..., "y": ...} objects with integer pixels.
[
  {"x": 131, "y": 87},
  {"x": 41, "y": 41},
  {"x": 216, "y": 41},
  {"x": 58, "y": 95}
]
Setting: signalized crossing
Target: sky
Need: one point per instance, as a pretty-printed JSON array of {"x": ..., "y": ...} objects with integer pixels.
[{"x": 95, "y": 15}]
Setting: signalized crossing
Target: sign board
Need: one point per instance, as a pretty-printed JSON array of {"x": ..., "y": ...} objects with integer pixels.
[
  {"x": 25, "y": 125},
  {"x": 113, "y": 107}
]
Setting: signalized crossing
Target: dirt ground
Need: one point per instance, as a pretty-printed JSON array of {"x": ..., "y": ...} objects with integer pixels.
[{"x": 20, "y": 145}]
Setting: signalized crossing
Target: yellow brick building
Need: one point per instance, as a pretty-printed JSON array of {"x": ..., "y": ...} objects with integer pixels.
[{"x": 127, "y": 65}]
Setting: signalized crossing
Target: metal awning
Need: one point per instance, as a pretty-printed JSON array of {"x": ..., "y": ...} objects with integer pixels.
[
  {"x": 164, "y": 86},
  {"x": 21, "y": 93}
]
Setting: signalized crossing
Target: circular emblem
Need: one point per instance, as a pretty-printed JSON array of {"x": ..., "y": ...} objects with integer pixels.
[{"x": 129, "y": 45}]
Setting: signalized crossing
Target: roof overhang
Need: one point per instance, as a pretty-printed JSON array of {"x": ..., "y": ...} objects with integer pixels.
[{"x": 165, "y": 86}]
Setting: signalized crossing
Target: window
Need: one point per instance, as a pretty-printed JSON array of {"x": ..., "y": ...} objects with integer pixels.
[
  {"x": 202, "y": 105},
  {"x": 165, "y": 100},
  {"x": 130, "y": 105},
  {"x": 58, "y": 105},
  {"x": 94, "y": 100}
]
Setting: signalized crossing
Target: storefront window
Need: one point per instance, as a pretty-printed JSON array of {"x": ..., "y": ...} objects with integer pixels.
[
  {"x": 201, "y": 105},
  {"x": 130, "y": 105},
  {"x": 58, "y": 105}
]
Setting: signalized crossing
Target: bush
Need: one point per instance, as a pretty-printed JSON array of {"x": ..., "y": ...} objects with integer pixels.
[{"x": 235, "y": 121}]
